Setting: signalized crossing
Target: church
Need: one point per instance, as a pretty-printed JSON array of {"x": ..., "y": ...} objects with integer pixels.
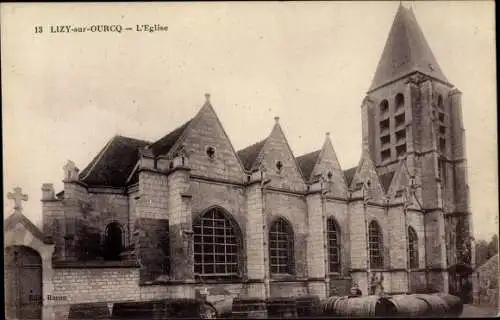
[{"x": 156, "y": 219}]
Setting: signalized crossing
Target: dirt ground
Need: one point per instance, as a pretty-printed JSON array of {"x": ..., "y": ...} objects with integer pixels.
[{"x": 474, "y": 311}]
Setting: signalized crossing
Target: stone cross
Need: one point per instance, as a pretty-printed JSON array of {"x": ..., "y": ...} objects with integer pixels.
[{"x": 17, "y": 196}]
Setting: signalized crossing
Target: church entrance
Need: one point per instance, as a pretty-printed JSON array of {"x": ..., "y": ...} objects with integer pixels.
[
  {"x": 113, "y": 242},
  {"x": 23, "y": 283}
]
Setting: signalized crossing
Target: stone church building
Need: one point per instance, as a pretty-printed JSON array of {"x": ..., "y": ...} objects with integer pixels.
[{"x": 155, "y": 219}]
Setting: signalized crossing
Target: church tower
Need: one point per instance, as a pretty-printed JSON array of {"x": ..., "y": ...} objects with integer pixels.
[{"x": 413, "y": 112}]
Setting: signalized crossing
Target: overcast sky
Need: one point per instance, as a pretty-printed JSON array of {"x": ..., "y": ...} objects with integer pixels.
[{"x": 65, "y": 95}]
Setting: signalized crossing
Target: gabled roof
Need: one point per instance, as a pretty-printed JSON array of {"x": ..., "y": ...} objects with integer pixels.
[
  {"x": 491, "y": 262},
  {"x": 18, "y": 217},
  {"x": 406, "y": 51},
  {"x": 386, "y": 179},
  {"x": 163, "y": 145},
  {"x": 112, "y": 166},
  {"x": 307, "y": 162},
  {"x": 249, "y": 154},
  {"x": 349, "y": 174}
]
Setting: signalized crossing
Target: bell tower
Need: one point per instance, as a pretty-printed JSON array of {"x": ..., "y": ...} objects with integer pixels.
[{"x": 413, "y": 112}]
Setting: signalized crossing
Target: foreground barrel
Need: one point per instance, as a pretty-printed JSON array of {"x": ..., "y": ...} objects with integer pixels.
[
  {"x": 327, "y": 306},
  {"x": 409, "y": 306},
  {"x": 281, "y": 307},
  {"x": 438, "y": 307},
  {"x": 163, "y": 309},
  {"x": 455, "y": 304},
  {"x": 85, "y": 311},
  {"x": 307, "y": 306},
  {"x": 248, "y": 308},
  {"x": 138, "y": 310},
  {"x": 224, "y": 308},
  {"x": 367, "y": 306}
]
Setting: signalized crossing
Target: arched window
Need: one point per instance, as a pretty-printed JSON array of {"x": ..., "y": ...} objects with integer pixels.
[
  {"x": 333, "y": 235},
  {"x": 384, "y": 106},
  {"x": 399, "y": 101},
  {"x": 412, "y": 248},
  {"x": 113, "y": 241},
  {"x": 216, "y": 242},
  {"x": 375, "y": 246},
  {"x": 281, "y": 247}
]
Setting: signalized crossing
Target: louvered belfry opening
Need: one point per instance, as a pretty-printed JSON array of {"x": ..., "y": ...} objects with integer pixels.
[{"x": 216, "y": 246}]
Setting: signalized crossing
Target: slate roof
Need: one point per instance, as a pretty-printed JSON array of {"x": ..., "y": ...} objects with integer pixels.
[
  {"x": 112, "y": 166},
  {"x": 307, "y": 162},
  {"x": 406, "y": 51},
  {"x": 386, "y": 179},
  {"x": 349, "y": 174},
  {"x": 249, "y": 154},
  {"x": 163, "y": 145}
]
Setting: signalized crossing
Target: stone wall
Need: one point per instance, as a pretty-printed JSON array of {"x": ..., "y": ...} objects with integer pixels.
[
  {"x": 357, "y": 236},
  {"x": 152, "y": 197},
  {"x": 486, "y": 279},
  {"x": 92, "y": 285},
  {"x": 288, "y": 289},
  {"x": 108, "y": 285},
  {"x": 205, "y": 131},
  {"x": 294, "y": 209},
  {"x": 229, "y": 197},
  {"x": 339, "y": 210}
]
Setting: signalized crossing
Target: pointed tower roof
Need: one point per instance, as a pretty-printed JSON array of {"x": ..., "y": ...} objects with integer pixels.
[{"x": 406, "y": 51}]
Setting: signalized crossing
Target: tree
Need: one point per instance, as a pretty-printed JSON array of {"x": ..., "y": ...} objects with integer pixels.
[
  {"x": 88, "y": 243},
  {"x": 485, "y": 250},
  {"x": 493, "y": 245},
  {"x": 481, "y": 252}
]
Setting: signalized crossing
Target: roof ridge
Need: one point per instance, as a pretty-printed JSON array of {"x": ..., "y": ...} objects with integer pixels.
[
  {"x": 131, "y": 138},
  {"x": 96, "y": 159},
  {"x": 164, "y": 144},
  {"x": 309, "y": 153},
  {"x": 252, "y": 145}
]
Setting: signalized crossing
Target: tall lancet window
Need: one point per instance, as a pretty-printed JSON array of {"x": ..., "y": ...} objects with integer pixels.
[
  {"x": 281, "y": 247},
  {"x": 216, "y": 246},
  {"x": 333, "y": 235},
  {"x": 399, "y": 101},
  {"x": 412, "y": 248},
  {"x": 375, "y": 246}
]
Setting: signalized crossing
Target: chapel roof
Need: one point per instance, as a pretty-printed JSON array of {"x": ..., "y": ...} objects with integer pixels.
[
  {"x": 307, "y": 162},
  {"x": 349, "y": 174},
  {"x": 163, "y": 145},
  {"x": 406, "y": 51},
  {"x": 249, "y": 154},
  {"x": 386, "y": 179},
  {"x": 113, "y": 164}
]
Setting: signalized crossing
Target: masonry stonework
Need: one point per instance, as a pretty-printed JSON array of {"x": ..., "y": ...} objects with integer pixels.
[{"x": 412, "y": 174}]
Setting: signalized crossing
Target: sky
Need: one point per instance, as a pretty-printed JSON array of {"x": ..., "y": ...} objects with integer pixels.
[{"x": 64, "y": 95}]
